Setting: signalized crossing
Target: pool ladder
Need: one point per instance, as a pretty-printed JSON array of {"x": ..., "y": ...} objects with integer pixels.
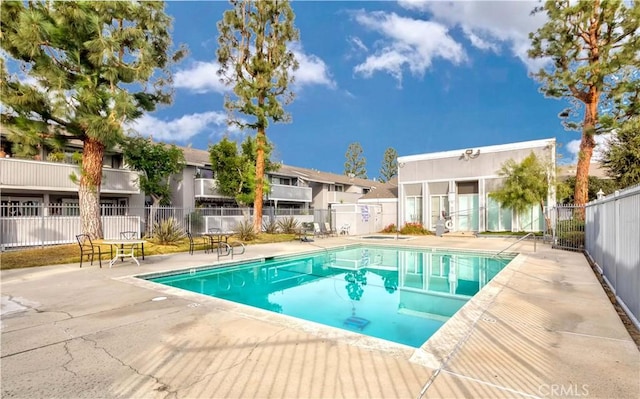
[
  {"x": 520, "y": 239},
  {"x": 224, "y": 249}
]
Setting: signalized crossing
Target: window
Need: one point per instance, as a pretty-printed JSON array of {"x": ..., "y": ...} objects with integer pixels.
[
  {"x": 285, "y": 181},
  {"x": 336, "y": 187},
  {"x": 413, "y": 209},
  {"x": 439, "y": 208},
  {"x": 498, "y": 218},
  {"x": 532, "y": 219}
]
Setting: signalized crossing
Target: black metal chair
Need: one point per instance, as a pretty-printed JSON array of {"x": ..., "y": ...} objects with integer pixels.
[
  {"x": 88, "y": 248},
  {"x": 194, "y": 242}
]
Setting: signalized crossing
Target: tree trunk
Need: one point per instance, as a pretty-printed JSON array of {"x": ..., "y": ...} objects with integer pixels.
[
  {"x": 547, "y": 219},
  {"x": 587, "y": 144},
  {"x": 89, "y": 190},
  {"x": 590, "y": 100},
  {"x": 257, "y": 202}
]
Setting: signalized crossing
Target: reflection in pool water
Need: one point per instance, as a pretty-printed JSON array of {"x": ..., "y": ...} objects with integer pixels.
[{"x": 398, "y": 294}]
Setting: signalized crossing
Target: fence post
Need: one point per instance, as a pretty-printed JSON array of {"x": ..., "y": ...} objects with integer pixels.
[
  {"x": 616, "y": 229},
  {"x": 42, "y": 226}
]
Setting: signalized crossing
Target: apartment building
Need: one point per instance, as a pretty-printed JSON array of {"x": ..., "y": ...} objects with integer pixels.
[{"x": 46, "y": 179}]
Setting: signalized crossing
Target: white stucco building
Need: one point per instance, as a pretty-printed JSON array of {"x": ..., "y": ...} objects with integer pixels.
[{"x": 456, "y": 184}]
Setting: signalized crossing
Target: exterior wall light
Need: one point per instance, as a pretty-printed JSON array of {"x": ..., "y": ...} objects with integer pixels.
[{"x": 468, "y": 154}]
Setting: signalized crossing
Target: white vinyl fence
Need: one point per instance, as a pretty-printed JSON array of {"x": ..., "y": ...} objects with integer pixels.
[{"x": 612, "y": 241}]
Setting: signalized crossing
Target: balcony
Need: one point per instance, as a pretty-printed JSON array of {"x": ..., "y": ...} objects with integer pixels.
[
  {"x": 25, "y": 174},
  {"x": 340, "y": 197},
  {"x": 206, "y": 188},
  {"x": 281, "y": 192}
]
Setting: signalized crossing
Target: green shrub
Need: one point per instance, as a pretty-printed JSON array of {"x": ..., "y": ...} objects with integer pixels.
[
  {"x": 414, "y": 229},
  {"x": 571, "y": 239},
  {"x": 390, "y": 229},
  {"x": 570, "y": 233},
  {"x": 270, "y": 227},
  {"x": 288, "y": 225},
  {"x": 167, "y": 232},
  {"x": 56, "y": 156},
  {"x": 244, "y": 230}
]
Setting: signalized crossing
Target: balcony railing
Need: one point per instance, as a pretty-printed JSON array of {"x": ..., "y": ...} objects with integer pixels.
[
  {"x": 206, "y": 188},
  {"x": 340, "y": 197},
  {"x": 38, "y": 175},
  {"x": 281, "y": 192}
]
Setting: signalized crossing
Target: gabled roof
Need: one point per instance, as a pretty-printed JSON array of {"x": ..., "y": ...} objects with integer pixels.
[
  {"x": 388, "y": 190},
  {"x": 313, "y": 175},
  {"x": 196, "y": 157}
]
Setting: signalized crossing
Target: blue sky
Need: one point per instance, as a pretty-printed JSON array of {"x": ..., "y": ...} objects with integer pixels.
[{"x": 416, "y": 76}]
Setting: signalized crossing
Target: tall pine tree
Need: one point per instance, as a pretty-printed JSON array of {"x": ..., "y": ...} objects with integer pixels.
[
  {"x": 389, "y": 168},
  {"x": 91, "y": 67},
  {"x": 594, "y": 46},
  {"x": 255, "y": 60},
  {"x": 622, "y": 157},
  {"x": 356, "y": 163}
]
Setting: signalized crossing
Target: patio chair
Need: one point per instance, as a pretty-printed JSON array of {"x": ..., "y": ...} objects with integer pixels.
[
  {"x": 317, "y": 232},
  {"x": 344, "y": 230},
  {"x": 329, "y": 230},
  {"x": 88, "y": 249},
  {"x": 194, "y": 242}
]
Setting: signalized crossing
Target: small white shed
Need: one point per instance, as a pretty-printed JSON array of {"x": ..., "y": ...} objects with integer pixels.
[{"x": 360, "y": 218}]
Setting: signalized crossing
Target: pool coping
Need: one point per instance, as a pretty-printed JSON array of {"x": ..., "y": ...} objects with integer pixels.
[{"x": 433, "y": 353}]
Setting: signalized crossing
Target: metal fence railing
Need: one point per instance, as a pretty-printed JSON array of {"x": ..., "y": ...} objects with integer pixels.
[
  {"x": 612, "y": 241},
  {"x": 38, "y": 224},
  {"x": 568, "y": 227}
]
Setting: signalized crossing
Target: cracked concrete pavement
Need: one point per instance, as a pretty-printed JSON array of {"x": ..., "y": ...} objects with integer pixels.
[{"x": 542, "y": 328}]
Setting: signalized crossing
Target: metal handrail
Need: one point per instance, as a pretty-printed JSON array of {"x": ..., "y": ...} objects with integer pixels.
[{"x": 520, "y": 239}]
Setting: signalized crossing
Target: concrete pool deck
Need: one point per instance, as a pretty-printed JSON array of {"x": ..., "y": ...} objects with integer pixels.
[{"x": 543, "y": 327}]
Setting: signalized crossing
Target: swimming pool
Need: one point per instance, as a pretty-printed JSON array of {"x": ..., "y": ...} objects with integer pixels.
[{"x": 397, "y": 294}]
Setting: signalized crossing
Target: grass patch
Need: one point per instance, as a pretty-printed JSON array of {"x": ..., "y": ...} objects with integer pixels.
[{"x": 70, "y": 253}]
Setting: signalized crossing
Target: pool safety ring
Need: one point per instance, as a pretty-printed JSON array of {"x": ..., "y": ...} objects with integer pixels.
[{"x": 448, "y": 224}]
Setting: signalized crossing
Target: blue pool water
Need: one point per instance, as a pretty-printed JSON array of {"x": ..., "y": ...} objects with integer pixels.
[{"x": 397, "y": 294}]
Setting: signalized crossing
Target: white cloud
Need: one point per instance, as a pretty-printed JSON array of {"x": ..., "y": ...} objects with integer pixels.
[
  {"x": 201, "y": 77},
  {"x": 357, "y": 44},
  {"x": 184, "y": 128},
  {"x": 602, "y": 142},
  {"x": 312, "y": 70},
  {"x": 489, "y": 25},
  {"x": 407, "y": 42}
]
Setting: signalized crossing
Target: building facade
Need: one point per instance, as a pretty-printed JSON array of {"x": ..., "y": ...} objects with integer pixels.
[
  {"x": 291, "y": 187},
  {"x": 455, "y": 186},
  {"x": 45, "y": 181}
]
